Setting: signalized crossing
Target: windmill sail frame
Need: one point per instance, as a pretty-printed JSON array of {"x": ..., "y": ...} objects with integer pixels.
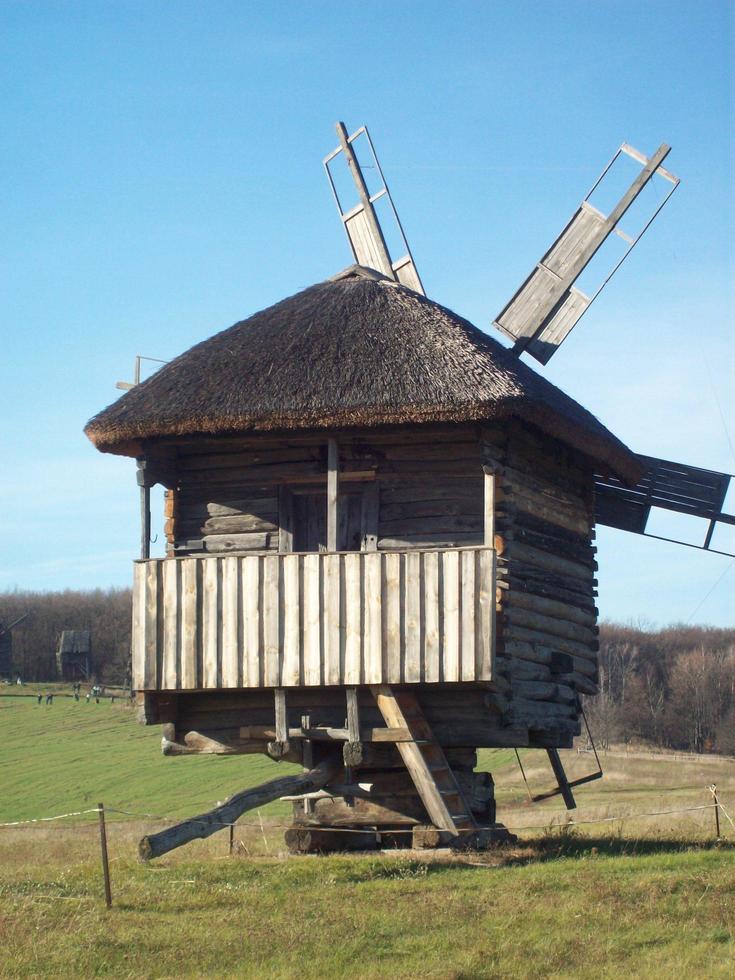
[
  {"x": 668, "y": 486},
  {"x": 361, "y": 223},
  {"x": 542, "y": 313}
]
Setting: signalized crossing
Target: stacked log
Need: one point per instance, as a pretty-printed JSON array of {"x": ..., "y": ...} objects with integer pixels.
[{"x": 547, "y": 620}]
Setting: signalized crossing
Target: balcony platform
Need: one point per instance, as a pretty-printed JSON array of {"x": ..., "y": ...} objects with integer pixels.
[{"x": 310, "y": 620}]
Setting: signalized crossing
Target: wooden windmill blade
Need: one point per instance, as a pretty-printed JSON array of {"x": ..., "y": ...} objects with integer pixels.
[
  {"x": 667, "y": 486},
  {"x": 544, "y": 310},
  {"x": 361, "y": 222}
]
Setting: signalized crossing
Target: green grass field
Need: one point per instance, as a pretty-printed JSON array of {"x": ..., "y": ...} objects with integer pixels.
[{"x": 643, "y": 896}]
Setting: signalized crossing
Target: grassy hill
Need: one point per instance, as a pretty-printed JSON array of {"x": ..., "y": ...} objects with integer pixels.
[
  {"x": 70, "y": 755},
  {"x": 644, "y": 897}
]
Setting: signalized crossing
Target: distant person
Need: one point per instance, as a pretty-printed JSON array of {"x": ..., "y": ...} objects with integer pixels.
[
  {"x": 40, "y": 696},
  {"x": 88, "y": 697},
  {"x": 48, "y": 699}
]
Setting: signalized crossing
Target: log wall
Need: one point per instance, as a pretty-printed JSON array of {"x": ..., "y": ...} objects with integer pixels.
[{"x": 424, "y": 489}]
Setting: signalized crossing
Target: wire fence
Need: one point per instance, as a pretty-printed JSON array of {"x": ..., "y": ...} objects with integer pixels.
[{"x": 561, "y": 823}]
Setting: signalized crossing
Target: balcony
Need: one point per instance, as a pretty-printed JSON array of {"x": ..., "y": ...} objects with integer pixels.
[{"x": 315, "y": 619}]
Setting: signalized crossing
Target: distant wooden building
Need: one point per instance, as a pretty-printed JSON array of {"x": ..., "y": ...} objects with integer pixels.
[
  {"x": 380, "y": 533},
  {"x": 73, "y": 655}
]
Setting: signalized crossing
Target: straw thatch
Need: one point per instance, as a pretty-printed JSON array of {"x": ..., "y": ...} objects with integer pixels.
[{"x": 356, "y": 350}]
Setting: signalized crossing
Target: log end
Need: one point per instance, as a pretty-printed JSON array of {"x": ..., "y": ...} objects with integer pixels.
[{"x": 145, "y": 851}]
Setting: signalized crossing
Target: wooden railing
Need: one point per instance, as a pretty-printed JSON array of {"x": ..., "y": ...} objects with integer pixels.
[{"x": 302, "y": 620}]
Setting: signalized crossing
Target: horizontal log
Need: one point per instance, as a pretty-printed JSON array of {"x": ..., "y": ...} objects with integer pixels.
[
  {"x": 429, "y": 526},
  {"x": 529, "y": 671},
  {"x": 457, "y": 539},
  {"x": 206, "y": 824},
  {"x": 529, "y": 595},
  {"x": 407, "y": 493},
  {"x": 315, "y": 840},
  {"x": 548, "y": 624},
  {"x": 542, "y": 640},
  {"x": 579, "y": 682},
  {"x": 583, "y": 571},
  {"x": 580, "y": 551},
  {"x": 525, "y": 650},
  {"x": 240, "y": 524},
  {"x": 534, "y": 575},
  {"x": 255, "y": 541},
  {"x": 535, "y": 690},
  {"x": 253, "y": 457}
]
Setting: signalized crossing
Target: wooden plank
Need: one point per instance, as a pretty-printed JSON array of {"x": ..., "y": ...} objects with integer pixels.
[
  {"x": 252, "y": 541},
  {"x": 231, "y": 604},
  {"x": 412, "y": 634},
  {"x": 312, "y": 619},
  {"x": 333, "y": 627},
  {"x": 392, "y": 617},
  {"x": 373, "y": 627},
  {"x": 489, "y": 508},
  {"x": 467, "y": 615},
  {"x": 270, "y": 612},
  {"x": 252, "y": 672},
  {"x": 291, "y": 609},
  {"x": 171, "y": 607},
  {"x": 211, "y": 623},
  {"x": 353, "y": 618},
  {"x": 485, "y": 614},
  {"x": 431, "y": 645},
  {"x": 451, "y": 606},
  {"x": 138, "y": 638},
  {"x": 332, "y": 491},
  {"x": 190, "y": 568},
  {"x": 151, "y": 679}
]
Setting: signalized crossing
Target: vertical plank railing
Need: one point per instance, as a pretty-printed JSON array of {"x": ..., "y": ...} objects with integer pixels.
[{"x": 304, "y": 620}]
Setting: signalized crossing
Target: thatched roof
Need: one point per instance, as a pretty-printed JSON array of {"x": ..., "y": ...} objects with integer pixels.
[{"x": 356, "y": 350}]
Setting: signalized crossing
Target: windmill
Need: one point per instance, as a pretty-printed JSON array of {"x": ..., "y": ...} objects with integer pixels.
[
  {"x": 380, "y": 531},
  {"x": 542, "y": 313},
  {"x": 6, "y": 646}
]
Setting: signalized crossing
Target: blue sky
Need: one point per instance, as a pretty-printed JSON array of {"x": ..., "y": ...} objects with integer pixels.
[{"x": 162, "y": 179}]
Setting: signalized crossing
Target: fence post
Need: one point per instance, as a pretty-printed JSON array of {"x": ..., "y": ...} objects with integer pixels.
[
  {"x": 105, "y": 862},
  {"x": 713, "y": 791},
  {"x": 232, "y": 838}
]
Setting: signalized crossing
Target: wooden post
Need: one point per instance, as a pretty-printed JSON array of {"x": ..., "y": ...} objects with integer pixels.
[
  {"x": 145, "y": 510},
  {"x": 561, "y": 778},
  {"x": 352, "y": 749},
  {"x": 232, "y": 839},
  {"x": 489, "y": 508},
  {"x": 279, "y": 748},
  {"x": 332, "y": 490},
  {"x": 105, "y": 862},
  {"x": 713, "y": 791}
]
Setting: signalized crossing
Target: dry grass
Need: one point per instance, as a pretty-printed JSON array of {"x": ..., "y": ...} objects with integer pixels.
[{"x": 644, "y": 896}]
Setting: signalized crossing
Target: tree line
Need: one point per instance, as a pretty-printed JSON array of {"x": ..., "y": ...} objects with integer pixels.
[
  {"x": 672, "y": 687},
  {"x": 106, "y": 613}
]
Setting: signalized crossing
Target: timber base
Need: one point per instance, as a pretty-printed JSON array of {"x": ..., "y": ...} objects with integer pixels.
[
  {"x": 331, "y": 840},
  {"x": 369, "y": 808}
]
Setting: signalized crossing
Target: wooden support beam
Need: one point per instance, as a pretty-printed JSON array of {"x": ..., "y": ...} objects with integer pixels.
[
  {"x": 222, "y": 816},
  {"x": 145, "y": 509},
  {"x": 561, "y": 778},
  {"x": 352, "y": 751},
  {"x": 489, "y": 508},
  {"x": 279, "y": 748},
  {"x": 332, "y": 491}
]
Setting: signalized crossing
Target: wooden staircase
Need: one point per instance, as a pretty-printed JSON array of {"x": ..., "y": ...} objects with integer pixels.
[{"x": 426, "y": 762}]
